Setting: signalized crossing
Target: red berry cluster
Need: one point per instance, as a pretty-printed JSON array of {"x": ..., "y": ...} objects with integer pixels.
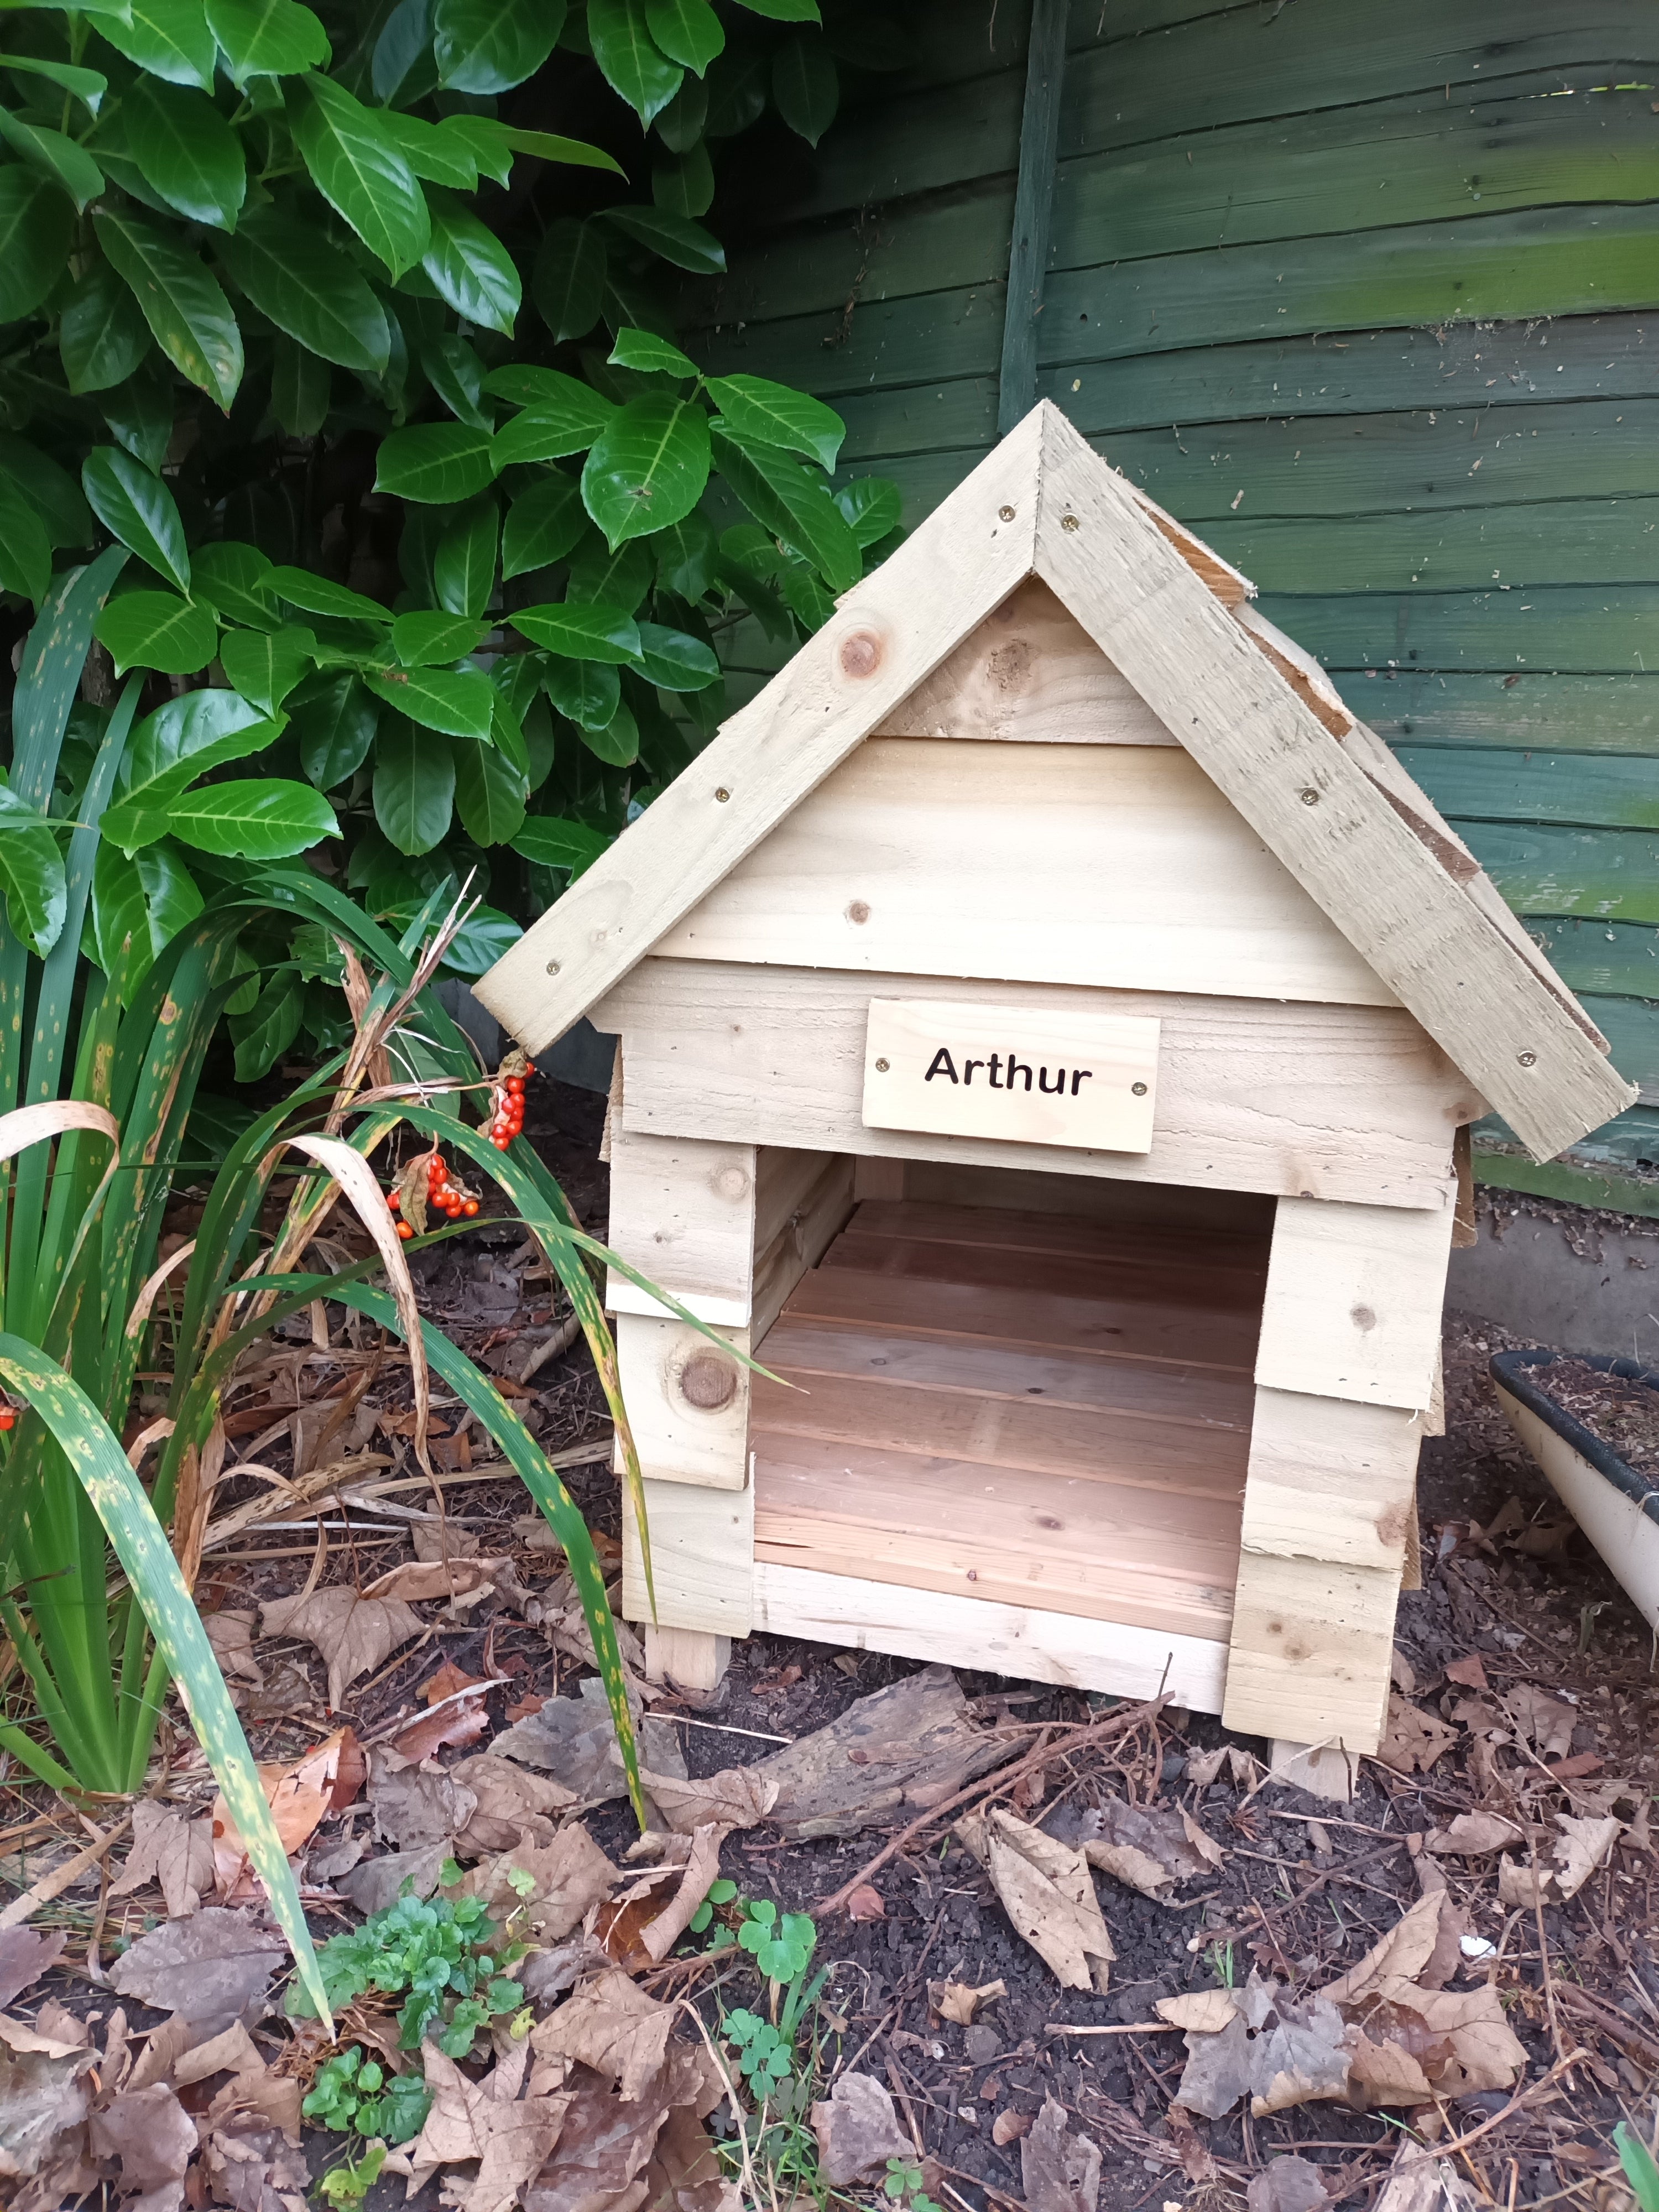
[
  {"x": 508, "y": 1117},
  {"x": 442, "y": 1195}
]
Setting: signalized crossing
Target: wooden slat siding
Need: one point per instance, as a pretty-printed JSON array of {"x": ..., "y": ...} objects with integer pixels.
[
  {"x": 683, "y": 1213},
  {"x": 1028, "y": 261},
  {"x": 1147, "y": 1208},
  {"x": 1311, "y": 1650},
  {"x": 1330, "y": 1480},
  {"x": 1342, "y": 1102},
  {"x": 770, "y": 755},
  {"x": 805, "y": 1200},
  {"x": 1615, "y": 715},
  {"x": 1602, "y": 957},
  {"x": 703, "y": 1556},
  {"x": 687, "y": 1405},
  {"x": 1061, "y": 1236},
  {"x": 1023, "y": 1642},
  {"x": 1267, "y": 753},
  {"x": 1109, "y": 865},
  {"x": 1219, "y": 1289},
  {"x": 1353, "y": 1300},
  {"x": 1613, "y": 791}
]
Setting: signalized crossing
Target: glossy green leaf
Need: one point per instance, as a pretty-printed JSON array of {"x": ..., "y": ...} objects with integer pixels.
[
  {"x": 556, "y": 842},
  {"x": 784, "y": 11},
  {"x": 402, "y": 68},
  {"x": 54, "y": 156},
  {"x": 793, "y": 504},
  {"x": 568, "y": 280},
  {"x": 320, "y": 595},
  {"x": 685, "y": 556},
  {"x": 807, "y": 86},
  {"x": 804, "y": 593},
  {"x": 88, "y": 86},
  {"x": 414, "y": 787},
  {"x": 309, "y": 288},
  {"x": 264, "y": 666},
  {"x": 431, "y": 151},
  {"x": 737, "y": 85},
  {"x": 469, "y": 267},
  {"x": 31, "y": 874},
  {"x": 614, "y": 576},
  {"x": 180, "y": 741},
  {"x": 617, "y": 742},
  {"x": 674, "y": 661},
  {"x": 650, "y": 355},
  {"x": 136, "y": 507},
  {"x": 677, "y": 239},
  {"x": 236, "y": 578},
  {"x": 50, "y": 490},
  {"x": 685, "y": 185},
  {"x": 490, "y": 45},
  {"x": 36, "y": 225},
  {"x": 776, "y": 415},
  {"x": 489, "y": 793},
  {"x": 630, "y": 58},
  {"x": 139, "y": 411},
  {"x": 459, "y": 701},
  {"x": 420, "y": 639},
  {"x": 541, "y": 526},
  {"x": 437, "y": 464},
  {"x": 687, "y": 31},
  {"x": 873, "y": 506},
  {"x": 456, "y": 374},
  {"x": 476, "y": 946},
  {"x": 680, "y": 124},
  {"x": 140, "y": 901},
  {"x": 168, "y": 38},
  {"x": 301, "y": 387},
  {"x": 140, "y": 1544},
  {"x": 333, "y": 718},
  {"x": 101, "y": 335},
  {"x": 182, "y": 302},
  {"x": 359, "y": 168},
  {"x": 590, "y": 632},
  {"x": 25, "y": 548},
  {"x": 265, "y": 1032},
  {"x": 649, "y": 467},
  {"x": 586, "y": 692},
  {"x": 262, "y": 819},
  {"x": 544, "y": 145},
  {"x": 187, "y": 151},
  {"x": 267, "y": 38},
  {"x": 464, "y": 564},
  {"x": 159, "y": 630}
]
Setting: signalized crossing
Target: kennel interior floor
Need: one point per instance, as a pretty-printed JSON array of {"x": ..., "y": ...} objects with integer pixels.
[{"x": 1026, "y": 1407}]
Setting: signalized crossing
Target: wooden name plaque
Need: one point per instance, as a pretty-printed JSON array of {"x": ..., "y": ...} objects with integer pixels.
[{"x": 1024, "y": 1074}]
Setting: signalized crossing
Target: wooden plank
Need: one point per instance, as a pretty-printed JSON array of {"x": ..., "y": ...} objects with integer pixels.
[
  {"x": 879, "y": 1179},
  {"x": 687, "y": 1401},
  {"x": 683, "y": 1213},
  {"x": 1110, "y": 865},
  {"x": 1594, "y": 955},
  {"x": 1563, "y": 714},
  {"x": 1551, "y": 869},
  {"x": 1028, "y": 675},
  {"x": 1007, "y": 1229},
  {"x": 1116, "y": 1551},
  {"x": 1168, "y": 1207},
  {"x": 1350, "y": 1102},
  {"x": 1614, "y": 791},
  {"x": 685, "y": 1658},
  {"x": 701, "y": 1558},
  {"x": 1104, "y": 1275},
  {"x": 1352, "y": 1310},
  {"x": 1563, "y": 630},
  {"x": 1028, "y": 261},
  {"x": 1086, "y": 1080},
  {"x": 1329, "y": 1479},
  {"x": 1216, "y": 1401},
  {"x": 1021, "y": 1642},
  {"x": 886, "y": 635},
  {"x": 1310, "y": 1650},
  {"x": 1554, "y": 542},
  {"x": 803, "y": 1200},
  {"x": 1268, "y": 752},
  {"x": 971, "y": 1428},
  {"x": 1131, "y": 1325}
]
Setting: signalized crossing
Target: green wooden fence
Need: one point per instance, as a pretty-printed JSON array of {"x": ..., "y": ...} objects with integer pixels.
[{"x": 1367, "y": 291}]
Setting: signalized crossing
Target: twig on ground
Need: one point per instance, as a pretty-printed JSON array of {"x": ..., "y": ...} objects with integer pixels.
[
  {"x": 52, "y": 1885},
  {"x": 1520, "y": 2097},
  {"x": 1130, "y": 2027}
]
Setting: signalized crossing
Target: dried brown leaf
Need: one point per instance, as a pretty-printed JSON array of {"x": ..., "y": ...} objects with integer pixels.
[
  {"x": 148, "y": 2133},
  {"x": 1059, "y": 2171},
  {"x": 172, "y": 1850},
  {"x": 736, "y": 1797},
  {"x": 956, "y": 2002},
  {"x": 865, "y": 1902},
  {"x": 1145, "y": 1847},
  {"x": 25, "y": 1955},
  {"x": 300, "y": 1793},
  {"x": 858, "y": 2130},
  {"x": 209, "y": 1970},
  {"x": 511, "y": 1806},
  {"x": 1288, "y": 2183},
  {"x": 1472, "y": 1835},
  {"x": 1413, "y": 1739},
  {"x": 567, "y": 1876},
  {"x": 613, "y": 2027},
  {"x": 510, "y": 2135},
  {"x": 353, "y": 1633},
  {"x": 1203, "y": 2012},
  {"x": 231, "y": 1635},
  {"x": 1047, "y": 1893}
]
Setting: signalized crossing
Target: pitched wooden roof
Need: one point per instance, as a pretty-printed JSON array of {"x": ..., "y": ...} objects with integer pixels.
[{"x": 1258, "y": 714}]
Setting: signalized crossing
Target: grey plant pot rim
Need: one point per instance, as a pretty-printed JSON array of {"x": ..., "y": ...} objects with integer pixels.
[{"x": 1511, "y": 1369}]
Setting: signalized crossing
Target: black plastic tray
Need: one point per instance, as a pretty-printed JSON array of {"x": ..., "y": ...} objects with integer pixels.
[{"x": 1511, "y": 1369}]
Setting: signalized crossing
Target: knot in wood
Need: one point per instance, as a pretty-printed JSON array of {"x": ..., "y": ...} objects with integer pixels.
[
  {"x": 861, "y": 654},
  {"x": 707, "y": 1382}
]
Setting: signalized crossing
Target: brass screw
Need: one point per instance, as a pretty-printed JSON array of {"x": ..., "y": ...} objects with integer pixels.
[
  {"x": 1527, "y": 1058},
  {"x": 881, "y": 1067},
  {"x": 1007, "y": 514},
  {"x": 1140, "y": 1090},
  {"x": 722, "y": 793},
  {"x": 552, "y": 967},
  {"x": 1070, "y": 522},
  {"x": 1310, "y": 797}
]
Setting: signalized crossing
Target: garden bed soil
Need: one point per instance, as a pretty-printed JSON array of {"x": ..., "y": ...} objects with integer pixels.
[{"x": 1623, "y": 1412}]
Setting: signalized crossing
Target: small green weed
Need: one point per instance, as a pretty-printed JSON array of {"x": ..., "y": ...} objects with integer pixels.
[
  {"x": 1640, "y": 2171},
  {"x": 354, "y": 2092},
  {"x": 440, "y": 1951},
  {"x": 344, "y": 2187},
  {"x": 903, "y": 2185}
]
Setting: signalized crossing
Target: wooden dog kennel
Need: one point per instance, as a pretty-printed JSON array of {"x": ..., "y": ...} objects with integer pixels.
[{"x": 1046, "y": 1017}]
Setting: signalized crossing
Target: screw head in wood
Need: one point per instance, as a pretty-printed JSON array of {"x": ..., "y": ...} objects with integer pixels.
[
  {"x": 858, "y": 911},
  {"x": 552, "y": 967},
  {"x": 722, "y": 794},
  {"x": 1527, "y": 1058},
  {"x": 1139, "y": 1089},
  {"x": 1006, "y": 514},
  {"x": 1310, "y": 797},
  {"x": 860, "y": 653},
  {"x": 1070, "y": 522},
  {"x": 882, "y": 1066}
]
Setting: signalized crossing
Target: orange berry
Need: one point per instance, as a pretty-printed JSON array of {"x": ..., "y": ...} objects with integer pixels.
[
  {"x": 470, "y": 1207},
  {"x": 393, "y": 1201},
  {"x": 515, "y": 1084},
  {"x": 405, "y": 1230}
]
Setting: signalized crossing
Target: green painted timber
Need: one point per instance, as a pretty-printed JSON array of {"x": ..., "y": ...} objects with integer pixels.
[{"x": 1368, "y": 292}]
